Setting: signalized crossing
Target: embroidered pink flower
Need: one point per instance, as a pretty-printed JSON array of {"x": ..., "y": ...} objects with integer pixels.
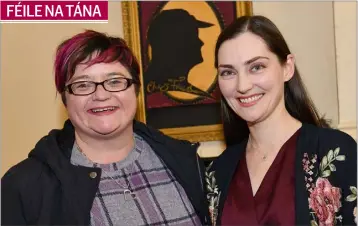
[
  {"x": 306, "y": 166},
  {"x": 325, "y": 201}
]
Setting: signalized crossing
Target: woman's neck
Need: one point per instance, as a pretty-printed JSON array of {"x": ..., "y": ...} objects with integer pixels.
[
  {"x": 274, "y": 131},
  {"x": 106, "y": 150}
]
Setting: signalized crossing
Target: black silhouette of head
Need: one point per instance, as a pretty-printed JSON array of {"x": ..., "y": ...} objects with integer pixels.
[{"x": 173, "y": 36}]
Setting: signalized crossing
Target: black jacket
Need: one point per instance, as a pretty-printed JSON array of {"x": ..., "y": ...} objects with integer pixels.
[
  {"x": 46, "y": 189},
  {"x": 326, "y": 145}
]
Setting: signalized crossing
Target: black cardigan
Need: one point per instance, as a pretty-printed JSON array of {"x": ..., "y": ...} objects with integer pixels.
[
  {"x": 46, "y": 189},
  {"x": 327, "y": 145}
]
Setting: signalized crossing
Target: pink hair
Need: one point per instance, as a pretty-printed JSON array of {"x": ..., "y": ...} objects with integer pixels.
[{"x": 82, "y": 46}]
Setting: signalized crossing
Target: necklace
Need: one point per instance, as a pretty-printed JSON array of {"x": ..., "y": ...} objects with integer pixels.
[
  {"x": 263, "y": 156},
  {"x": 127, "y": 192}
]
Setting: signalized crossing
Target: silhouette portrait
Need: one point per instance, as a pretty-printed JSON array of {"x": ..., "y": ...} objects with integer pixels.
[{"x": 175, "y": 44}]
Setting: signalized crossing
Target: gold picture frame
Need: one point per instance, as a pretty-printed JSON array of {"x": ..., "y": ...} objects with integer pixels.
[{"x": 132, "y": 31}]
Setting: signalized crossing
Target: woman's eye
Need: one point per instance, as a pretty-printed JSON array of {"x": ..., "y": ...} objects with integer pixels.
[
  {"x": 115, "y": 81},
  {"x": 82, "y": 85},
  {"x": 257, "y": 68},
  {"x": 226, "y": 73}
]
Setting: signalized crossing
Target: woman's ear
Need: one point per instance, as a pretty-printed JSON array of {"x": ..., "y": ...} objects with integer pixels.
[{"x": 289, "y": 67}]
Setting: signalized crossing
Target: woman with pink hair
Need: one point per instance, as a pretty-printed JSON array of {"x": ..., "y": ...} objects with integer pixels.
[{"x": 103, "y": 167}]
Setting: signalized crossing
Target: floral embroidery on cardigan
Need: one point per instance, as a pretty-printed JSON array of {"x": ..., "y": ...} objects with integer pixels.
[
  {"x": 351, "y": 198},
  {"x": 324, "y": 199},
  {"x": 213, "y": 193},
  {"x": 308, "y": 166}
]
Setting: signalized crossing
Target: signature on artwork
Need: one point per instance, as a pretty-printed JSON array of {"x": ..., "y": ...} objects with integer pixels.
[{"x": 172, "y": 85}]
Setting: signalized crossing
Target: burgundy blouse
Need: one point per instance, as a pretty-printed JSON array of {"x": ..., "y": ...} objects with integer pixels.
[{"x": 274, "y": 202}]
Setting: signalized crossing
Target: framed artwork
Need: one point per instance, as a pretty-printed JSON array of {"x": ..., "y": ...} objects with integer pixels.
[{"x": 174, "y": 43}]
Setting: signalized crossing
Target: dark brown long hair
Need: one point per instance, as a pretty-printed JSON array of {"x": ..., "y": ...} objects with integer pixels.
[{"x": 297, "y": 101}]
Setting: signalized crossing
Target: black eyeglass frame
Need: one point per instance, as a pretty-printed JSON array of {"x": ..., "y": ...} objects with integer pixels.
[{"x": 129, "y": 82}]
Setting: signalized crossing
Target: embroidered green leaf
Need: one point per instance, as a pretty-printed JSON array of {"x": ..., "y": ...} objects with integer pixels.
[
  {"x": 326, "y": 173},
  {"x": 314, "y": 223},
  {"x": 339, "y": 218},
  {"x": 209, "y": 189},
  {"x": 332, "y": 167},
  {"x": 351, "y": 198},
  {"x": 211, "y": 174},
  {"x": 324, "y": 163},
  {"x": 336, "y": 151},
  {"x": 353, "y": 190},
  {"x": 341, "y": 158},
  {"x": 209, "y": 167},
  {"x": 212, "y": 201},
  {"x": 330, "y": 155}
]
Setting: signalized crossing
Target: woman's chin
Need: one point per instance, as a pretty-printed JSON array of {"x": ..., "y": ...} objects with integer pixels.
[
  {"x": 251, "y": 118},
  {"x": 105, "y": 131}
]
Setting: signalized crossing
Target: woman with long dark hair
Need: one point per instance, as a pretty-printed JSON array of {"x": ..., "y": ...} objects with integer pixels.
[{"x": 283, "y": 164}]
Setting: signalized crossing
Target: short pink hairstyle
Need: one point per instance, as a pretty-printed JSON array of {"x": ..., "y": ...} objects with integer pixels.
[{"x": 82, "y": 46}]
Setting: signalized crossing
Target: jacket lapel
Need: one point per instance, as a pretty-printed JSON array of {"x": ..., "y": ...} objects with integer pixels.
[
  {"x": 73, "y": 179},
  {"x": 227, "y": 170}
]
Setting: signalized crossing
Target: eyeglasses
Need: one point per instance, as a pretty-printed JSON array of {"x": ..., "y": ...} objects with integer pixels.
[{"x": 84, "y": 88}]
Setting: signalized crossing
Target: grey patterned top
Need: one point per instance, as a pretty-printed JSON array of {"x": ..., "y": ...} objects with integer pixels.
[{"x": 160, "y": 199}]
